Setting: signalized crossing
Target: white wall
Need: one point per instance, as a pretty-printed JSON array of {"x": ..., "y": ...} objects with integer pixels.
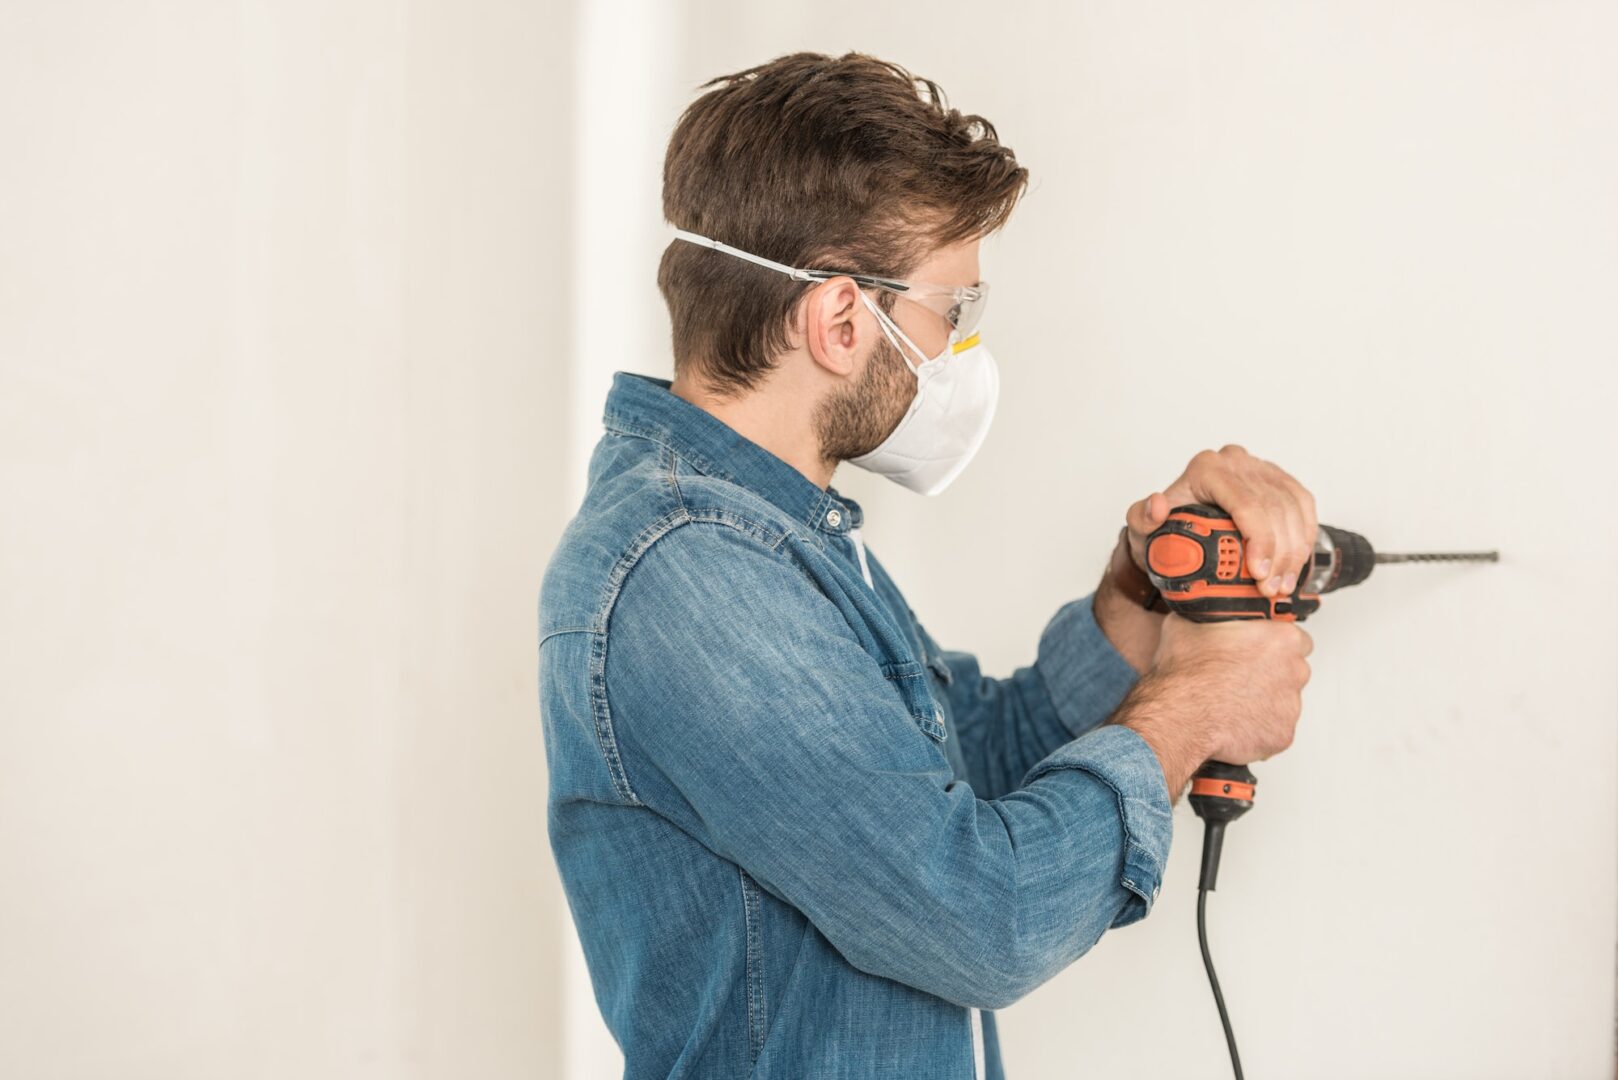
[
  {"x": 1375, "y": 244},
  {"x": 306, "y": 311},
  {"x": 278, "y": 451}
]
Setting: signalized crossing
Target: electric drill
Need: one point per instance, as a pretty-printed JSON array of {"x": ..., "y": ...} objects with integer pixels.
[{"x": 1197, "y": 560}]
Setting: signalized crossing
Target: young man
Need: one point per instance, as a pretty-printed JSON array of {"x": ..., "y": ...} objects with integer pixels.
[{"x": 799, "y": 838}]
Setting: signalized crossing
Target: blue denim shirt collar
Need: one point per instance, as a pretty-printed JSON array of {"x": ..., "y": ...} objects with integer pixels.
[{"x": 644, "y": 406}]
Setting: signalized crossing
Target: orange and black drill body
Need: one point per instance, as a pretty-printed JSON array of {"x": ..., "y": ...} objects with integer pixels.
[{"x": 1197, "y": 559}]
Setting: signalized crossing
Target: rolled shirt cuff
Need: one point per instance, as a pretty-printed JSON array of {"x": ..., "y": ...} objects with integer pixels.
[{"x": 1120, "y": 758}]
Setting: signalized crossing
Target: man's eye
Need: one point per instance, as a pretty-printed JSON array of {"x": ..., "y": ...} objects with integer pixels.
[{"x": 954, "y": 315}]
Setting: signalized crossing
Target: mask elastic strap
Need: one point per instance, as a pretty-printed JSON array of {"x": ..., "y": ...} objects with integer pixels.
[{"x": 891, "y": 328}]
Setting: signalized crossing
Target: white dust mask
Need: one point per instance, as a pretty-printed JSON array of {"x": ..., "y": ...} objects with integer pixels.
[{"x": 949, "y": 417}]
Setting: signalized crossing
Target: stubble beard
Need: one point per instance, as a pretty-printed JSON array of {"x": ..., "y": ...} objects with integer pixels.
[{"x": 854, "y": 421}]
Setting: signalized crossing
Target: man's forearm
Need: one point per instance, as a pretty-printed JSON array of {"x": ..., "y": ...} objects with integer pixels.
[{"x": 1151, "y": 710}]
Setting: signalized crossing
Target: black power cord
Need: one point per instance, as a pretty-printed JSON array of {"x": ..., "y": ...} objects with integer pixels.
[
  {"x": 1220, "y": 794},
  {"x": 1213, "y": 981}
]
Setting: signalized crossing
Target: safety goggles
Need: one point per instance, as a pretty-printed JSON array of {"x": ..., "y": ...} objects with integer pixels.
[{"x": 959, "y": 305}]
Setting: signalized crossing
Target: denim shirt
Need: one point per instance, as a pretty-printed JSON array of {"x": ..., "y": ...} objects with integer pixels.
[{"x": 798, "y": 838}]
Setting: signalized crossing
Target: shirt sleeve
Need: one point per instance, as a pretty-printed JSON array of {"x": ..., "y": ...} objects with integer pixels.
[
  {"x": 745, "y": 709},
  {"x": 1007, "y": 726}
]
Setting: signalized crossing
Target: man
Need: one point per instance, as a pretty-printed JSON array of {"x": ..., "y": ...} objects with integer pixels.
[{"x": 800, "y": 839}]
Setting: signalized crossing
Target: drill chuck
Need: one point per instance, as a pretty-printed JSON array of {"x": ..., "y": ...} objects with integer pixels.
[{"x": 1341, "y": 559}]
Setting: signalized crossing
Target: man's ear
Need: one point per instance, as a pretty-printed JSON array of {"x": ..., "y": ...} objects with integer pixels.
[{"x": 831, "y": 325}]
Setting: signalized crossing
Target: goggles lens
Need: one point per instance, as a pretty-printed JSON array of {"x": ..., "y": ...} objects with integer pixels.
[
  {"x": 961, "y": 307},
  {"x": 965, "y": 314}
]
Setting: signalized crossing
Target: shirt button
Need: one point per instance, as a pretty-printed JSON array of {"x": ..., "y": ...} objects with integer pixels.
[{"x": 834, "y": 518}]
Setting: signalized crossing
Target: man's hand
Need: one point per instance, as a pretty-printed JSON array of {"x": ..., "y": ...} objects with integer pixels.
[
  {"x": 1275, "y": 513},
  {"x": 1254, "y": 669},
  {"x": 1226, "y": 691}
]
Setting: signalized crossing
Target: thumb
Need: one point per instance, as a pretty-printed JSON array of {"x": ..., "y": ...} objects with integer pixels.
[{"x": 1148, "y": 514}]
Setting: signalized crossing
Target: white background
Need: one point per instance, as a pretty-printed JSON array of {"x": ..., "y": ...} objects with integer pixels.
[{"x": 306, "y": 314}]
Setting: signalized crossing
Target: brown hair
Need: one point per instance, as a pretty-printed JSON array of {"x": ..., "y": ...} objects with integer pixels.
[{"x": 847, "y": 163}]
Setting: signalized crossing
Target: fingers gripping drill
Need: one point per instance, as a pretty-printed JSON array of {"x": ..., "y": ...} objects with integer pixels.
[{"x": 1197, "y": 560}]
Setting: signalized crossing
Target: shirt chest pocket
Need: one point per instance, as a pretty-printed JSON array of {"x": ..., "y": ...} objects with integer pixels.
[{"x": 910, "y": 679}]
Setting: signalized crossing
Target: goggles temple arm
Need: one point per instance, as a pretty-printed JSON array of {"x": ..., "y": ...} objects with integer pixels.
[
  {"x": 770, "y": 264},
  {"x": 792, "y": 272}
]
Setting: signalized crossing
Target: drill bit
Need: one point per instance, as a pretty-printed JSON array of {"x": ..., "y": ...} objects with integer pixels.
[{"x": 1440, "y": 556}]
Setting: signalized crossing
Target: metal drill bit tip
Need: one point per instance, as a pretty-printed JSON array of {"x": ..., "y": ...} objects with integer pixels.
[{"x": 1440, "y": 556}]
